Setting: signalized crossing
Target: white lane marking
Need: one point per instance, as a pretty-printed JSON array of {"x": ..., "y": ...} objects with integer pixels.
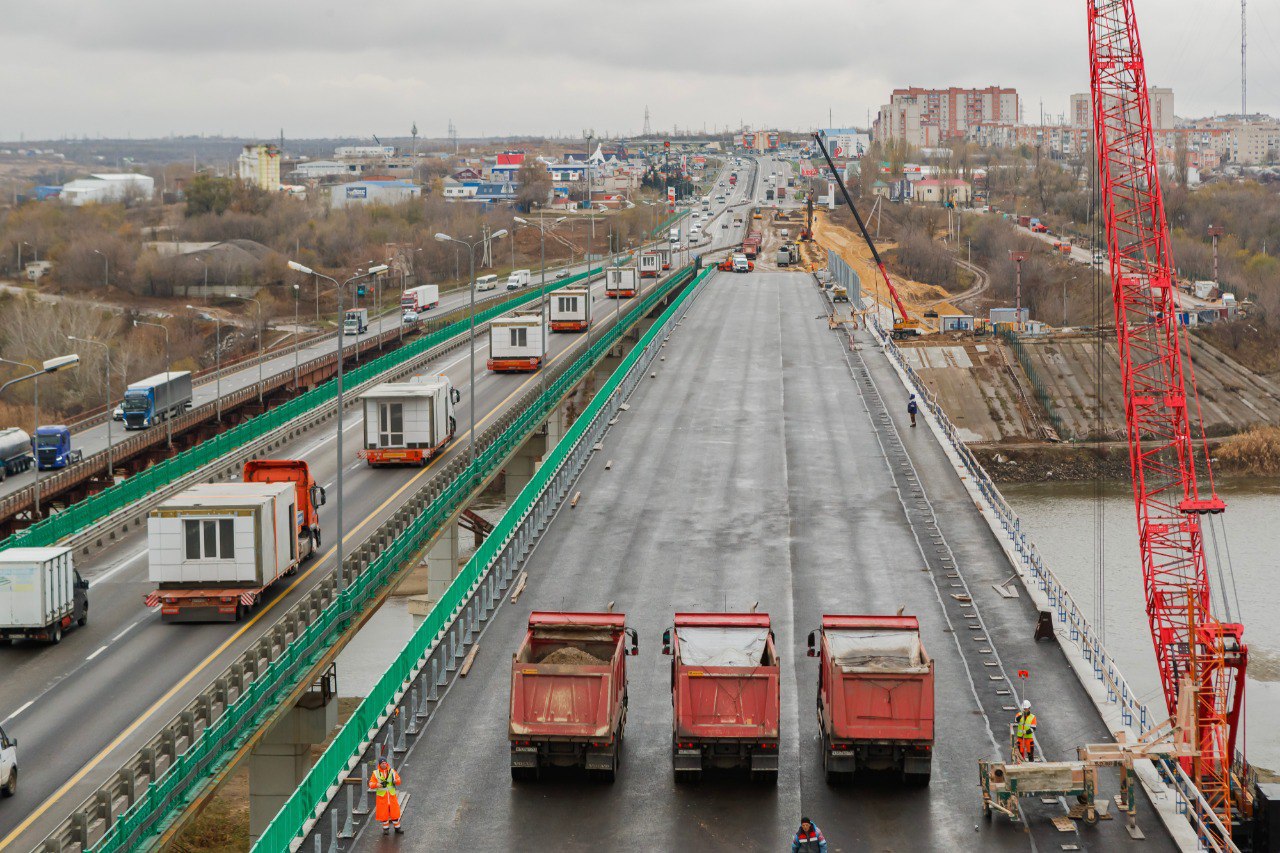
[
  {"x": 19, "y": 711},
  {"x": 125, "y": 631},
  {"x": 112, "y": 572},
  {"x": 100, "y": 650}
]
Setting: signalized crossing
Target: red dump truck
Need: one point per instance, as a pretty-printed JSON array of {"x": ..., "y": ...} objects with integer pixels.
[
  {"x": 724, "y": 694},
  {"x": 875, "y": 696},
  {"x": 569, "y": 693},
  {"x": 751, "y": 245}
]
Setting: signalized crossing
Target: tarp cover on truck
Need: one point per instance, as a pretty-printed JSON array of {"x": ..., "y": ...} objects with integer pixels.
[
  {"x": 711, "y": 646},
  {"x": 855, "y": 651}
]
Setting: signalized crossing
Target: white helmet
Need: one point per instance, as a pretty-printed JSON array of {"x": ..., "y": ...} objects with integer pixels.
[{"x": 1026, "y": 704}]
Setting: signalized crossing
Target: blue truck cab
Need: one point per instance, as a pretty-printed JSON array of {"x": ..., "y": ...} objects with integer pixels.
[{"x": 53, "y": 447}]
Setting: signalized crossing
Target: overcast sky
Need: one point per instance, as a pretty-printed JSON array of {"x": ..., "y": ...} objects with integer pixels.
[{"x": 321, "y": 68}]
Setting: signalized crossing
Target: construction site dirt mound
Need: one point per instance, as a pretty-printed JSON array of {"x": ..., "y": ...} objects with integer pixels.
[
  {"x": 569, "y": 656},
  {"x": 854, "y": 251}
]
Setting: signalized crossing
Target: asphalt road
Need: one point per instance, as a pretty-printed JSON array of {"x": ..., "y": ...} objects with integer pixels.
[
  {"x": 80, "y": 709},
  {"x": 746, "y": 472}
]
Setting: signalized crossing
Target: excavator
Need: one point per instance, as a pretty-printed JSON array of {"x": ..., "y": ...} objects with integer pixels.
[{"x": 903, "y": 325}]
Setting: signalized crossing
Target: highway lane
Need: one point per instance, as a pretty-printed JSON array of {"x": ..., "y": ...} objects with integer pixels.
[
  {"x": 747, "y": 471},
  {"x": 94, "y": 439},
  {"x": 83, "y": 707}
]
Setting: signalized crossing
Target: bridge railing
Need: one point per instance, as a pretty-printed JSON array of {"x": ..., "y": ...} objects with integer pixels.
[
  {"x": 449, "y": 627},
  {"x": 81, "y": 515},
  {"x": 251, "y": 692},
  {"x": 1134, "y": 714}
]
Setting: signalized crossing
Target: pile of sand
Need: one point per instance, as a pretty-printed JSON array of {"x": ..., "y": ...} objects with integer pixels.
[{"x": 569, "y": 656}]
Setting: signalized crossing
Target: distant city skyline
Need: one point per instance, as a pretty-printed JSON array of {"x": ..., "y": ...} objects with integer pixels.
[{"x": 142, "y": 69}]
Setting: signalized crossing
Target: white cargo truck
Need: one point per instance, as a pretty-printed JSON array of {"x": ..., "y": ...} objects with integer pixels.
[
  {"x": 519, "y": 279},
  {"x": 216, "y": 548},
  {"x": 518, "y": 341},
  {"x": 570, "y": 309},
  {"x": 41, "y": 594},
  {"x": 621, "y": 282},
  {"x": 356, "y": 321},
  {"x": 422, "y": 298},
  {"x": 408, "y": 423}
]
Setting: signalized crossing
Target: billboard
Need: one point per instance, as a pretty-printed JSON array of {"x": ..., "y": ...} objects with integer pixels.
[
  {"x": 748, "y": 140},
  {"x": 357, "y": 192},
  {"x": 850, "y": 146},
  {"x": 771, "y": 140},
  {"x": 671, "y": 199}
]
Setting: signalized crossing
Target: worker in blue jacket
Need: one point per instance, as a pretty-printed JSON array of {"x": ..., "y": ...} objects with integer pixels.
[{"x": 809, "y": 839}]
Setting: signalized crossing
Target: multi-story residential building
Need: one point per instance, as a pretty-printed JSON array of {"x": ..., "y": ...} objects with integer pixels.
[
  {"x": 260, "y": 165},
  {"x": 928, "y": 117},
  {"x": 1159, "y": 98}
]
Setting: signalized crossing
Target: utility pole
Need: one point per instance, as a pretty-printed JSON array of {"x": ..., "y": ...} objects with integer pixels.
[
  {"x": 1215, "y": 231},
  {"x": 1244, "y": 75},
  {"x": 1017, "y": 258}
]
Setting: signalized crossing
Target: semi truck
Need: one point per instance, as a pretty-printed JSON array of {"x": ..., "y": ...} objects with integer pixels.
[
  {"x": 408, "y": 423},
  {"x": 518, "y": 341},
  {"x": 621, "y": 282},
  {"x": 216, "y": 548},
  {"x": 41, "y": 594},
  {"x": 15, "y": 451},
  {"x": 355, "y": 321},
  {"x": 53, "y": 447},
  {"x": 875, "y": 696},
  {"x": 421, "y": 298},
  {"x": 310, "y": 495},
  {"x": 650, "y": 264},
  {"x": 569, "y": 693},
  {"x": 724, "y": 694},
  {"x": 156, "y": 398},
  {"x": 570, "y": 309}
]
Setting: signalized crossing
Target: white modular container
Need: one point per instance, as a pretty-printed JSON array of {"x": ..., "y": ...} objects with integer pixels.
[
  {"x": 413, "y": 415},
  {"x": 570, "y": 309},
  {"x": 621, "y": 281},
  {"x": 650, "y": 264},
  {"x": 37, "y": 587},
  {"x": 519, "y": 335},
  {"x": 224, "y": 535}
]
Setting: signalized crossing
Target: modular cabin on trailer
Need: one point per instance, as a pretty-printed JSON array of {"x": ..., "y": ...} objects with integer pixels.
[
  {"x": 408, "y": 423},
  {"x": 570, "y": 309},
  {"x": 518, "y": 341},
  {"x": 650, "y": 264},
  {"x": 621, "y": 282}
]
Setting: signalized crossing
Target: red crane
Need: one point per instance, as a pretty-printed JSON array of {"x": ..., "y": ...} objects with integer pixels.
[{"x": 1191, "y": 644}]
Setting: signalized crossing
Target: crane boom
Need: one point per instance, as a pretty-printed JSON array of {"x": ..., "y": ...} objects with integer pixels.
[
  {"x": 893, "y": 291},
  {"x": 1191, "y": 644}
]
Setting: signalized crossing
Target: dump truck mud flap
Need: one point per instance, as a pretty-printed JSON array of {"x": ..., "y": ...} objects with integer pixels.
[
  {"x": 686, "y": 759},
  {"x": 599, "y": 760},
  {"x": 916, "y": 765},
  {"x": 524, "y": 756},
  {"x": 764, "y": 761}
]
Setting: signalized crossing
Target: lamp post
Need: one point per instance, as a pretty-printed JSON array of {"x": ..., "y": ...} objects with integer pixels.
[
  {"x": 297, "y": 333},
  {"x": 217, "y": 357},
  {"x": 260, "y": 359},
  {"x": 106, "y": 394},
  {"x": 106, "y": 270},
  {"x": 294, "y": 265},
  {"x": 471, "y": 259},
  {"x": 168, "y": 370},
  {"x": 52, "y": 365}
]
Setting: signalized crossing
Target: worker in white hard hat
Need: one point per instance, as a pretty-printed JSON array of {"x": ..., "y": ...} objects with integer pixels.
[{"x": 1024, "y": 732}]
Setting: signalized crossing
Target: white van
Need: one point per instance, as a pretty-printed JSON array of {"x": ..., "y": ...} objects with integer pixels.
[
  {"x": 8, "y": 764},
  {"x": 487, "y": 282},
  {"x": 519, "y": 279},
  {"x": 674, "y": 235}
]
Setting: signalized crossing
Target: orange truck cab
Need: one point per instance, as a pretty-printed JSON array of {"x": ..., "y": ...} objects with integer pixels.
[{"x": 311, "y": 495}]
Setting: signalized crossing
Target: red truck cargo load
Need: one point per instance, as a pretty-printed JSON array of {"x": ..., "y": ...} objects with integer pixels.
[
  {"x": 875, "y": 696},
  {"x": 724, "y": 694},
  {"x": 569, "y": 693}
]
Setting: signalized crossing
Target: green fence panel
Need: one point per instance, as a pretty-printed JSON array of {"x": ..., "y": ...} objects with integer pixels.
[
  {"x": 82, "y": 515},
  {"x": 337, "y": 758},
  {"x": 169, "y": 794},
  {"x": 668, "y": 222}
]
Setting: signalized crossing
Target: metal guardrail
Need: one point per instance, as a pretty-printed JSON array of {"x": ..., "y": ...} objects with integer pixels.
[
  {"x": 161, "y": 778},
  {"x": 1134, "y": 714},
  {"x": 82, "y": 514},
  {"x": 432, "y": 655}
]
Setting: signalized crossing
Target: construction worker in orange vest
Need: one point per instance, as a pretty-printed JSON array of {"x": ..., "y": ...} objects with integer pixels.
[
  {"x": 385, "y": 780},
  {"x": 1024, "y": 731}
]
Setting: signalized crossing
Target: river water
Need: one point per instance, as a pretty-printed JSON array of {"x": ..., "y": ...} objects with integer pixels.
[{"x": 1063, "y": 520}]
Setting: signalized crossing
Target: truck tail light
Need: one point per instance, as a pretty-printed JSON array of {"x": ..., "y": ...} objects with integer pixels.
[{"x": 768, "y": 746}]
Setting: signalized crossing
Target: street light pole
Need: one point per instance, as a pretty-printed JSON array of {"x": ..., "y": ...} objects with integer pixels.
[
  {"x": 51, "y": 365},
  {"x": 106, "y": 393},
  {"x": 168, "y": 369},
  {"x": 260, "y": 347},
  {"x": 297, "y": 333},
  {"x": 471, "y": 259},
  {"x": 217, "y": 358},
  {"x": 294, "y": 265}
]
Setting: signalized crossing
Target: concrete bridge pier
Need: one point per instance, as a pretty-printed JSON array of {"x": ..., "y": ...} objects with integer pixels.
[
  {"x": 521, "y": 467},
  {"x": 442, "y": 567},
  {"x": 282, "y": 758},
  {"x": 555, "y": 428}
]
